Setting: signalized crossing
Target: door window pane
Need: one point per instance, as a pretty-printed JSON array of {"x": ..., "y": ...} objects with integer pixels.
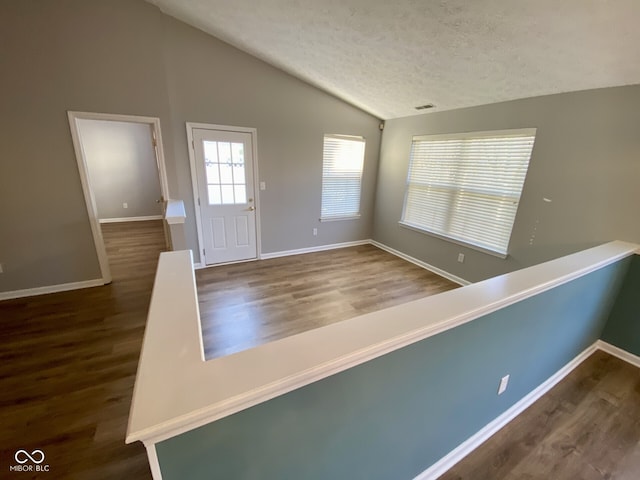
[
  {"x": 214, "y": 195},
  {"x": 237, "y": 151},
  {"x": 213, "y": 174},
  {"x": 227, "y": 194},
  {"x": 226, "y": 175},
  {"x": 224, "y": 152},
  {"x": 240, "y": 194},
  {"x": 238, "y": 174},
  {"x": 225, "y": 172},
  {"x": 210, "y": 152}
]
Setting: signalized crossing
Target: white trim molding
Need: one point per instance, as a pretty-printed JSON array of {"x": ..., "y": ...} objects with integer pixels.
[
  {"x": 420, "y": 263},
  {"x": 319, "y": 248},
  {"x": 130, "y": 219},
  {"x": 85, "y": 179},
  {"x": 355, "y": 216},
  {"x": 63, "y": 287},
  {"x": 468, "y": 446},
  {"x": 345, "y": 344},
  {"x": 154, "y": 463},
  {"x": 619, "y": 353},
  {"x": 175, "y": 213},
  {"x": 452, "y": 240},
  {"x": 333, "y": 246},
  {"x": 190, "y": 126}
]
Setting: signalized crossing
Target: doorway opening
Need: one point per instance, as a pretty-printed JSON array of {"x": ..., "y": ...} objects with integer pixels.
[
  {"x": 122, "y": 170},
  {"x": 224, "y": 175}
]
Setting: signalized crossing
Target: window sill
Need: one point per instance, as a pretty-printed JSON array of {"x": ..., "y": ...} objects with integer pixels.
[
  {"x": 337, "y": 219},
  {"x": 454, "y": 240}
]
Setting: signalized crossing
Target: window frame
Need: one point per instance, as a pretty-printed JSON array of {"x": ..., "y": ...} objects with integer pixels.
[
  {"x": 466, "y": 136},
  {"x": 344, "y": 216}
]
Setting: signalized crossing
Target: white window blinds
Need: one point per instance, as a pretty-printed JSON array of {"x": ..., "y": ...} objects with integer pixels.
[
  {"x": 466, "y": 187},
  {"x": 343, "y": 159}
]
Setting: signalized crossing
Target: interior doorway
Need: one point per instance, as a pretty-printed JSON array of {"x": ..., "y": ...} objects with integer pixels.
[
  {"x": 121, "y": 165},
  {"x": 224, "y": 174}
]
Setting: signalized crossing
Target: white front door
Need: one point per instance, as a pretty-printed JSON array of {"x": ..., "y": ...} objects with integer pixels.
[{"x": 224, "y": 171}]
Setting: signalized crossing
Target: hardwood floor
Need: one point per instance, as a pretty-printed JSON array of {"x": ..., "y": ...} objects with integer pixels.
[
  {"x": 68, "y": 363},
  {"x": 247, "y": 304},
  {"x": 587, "y": 427}
]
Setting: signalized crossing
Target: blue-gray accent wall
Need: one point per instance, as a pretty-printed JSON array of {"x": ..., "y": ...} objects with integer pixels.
[
  {"x": 623, "y": 326},
  {"x": 393, "y": 417}
]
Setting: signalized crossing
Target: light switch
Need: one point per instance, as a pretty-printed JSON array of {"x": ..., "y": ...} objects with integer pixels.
[{"x": 504, "y": 381}]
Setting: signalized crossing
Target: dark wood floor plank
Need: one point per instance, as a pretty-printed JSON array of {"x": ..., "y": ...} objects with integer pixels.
[
  {"x": 587, "y": 427},
  {"x": 68, "y": 362}
]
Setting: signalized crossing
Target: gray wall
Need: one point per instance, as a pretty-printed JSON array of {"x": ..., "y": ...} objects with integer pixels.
[
  {"x": 122, "y": 168},
  {"x": 585, "y": 159},
  {"x": 127, "y": 57},
  {"x": 210, "y": 82},
  {"x": 623, "y": 326},
  {"x": 59, "y": 56}
]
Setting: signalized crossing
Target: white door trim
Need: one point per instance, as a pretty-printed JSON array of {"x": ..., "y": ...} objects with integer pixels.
[
  {"x": 89, "y": 197},
  {"x": 194, "y": 179}
]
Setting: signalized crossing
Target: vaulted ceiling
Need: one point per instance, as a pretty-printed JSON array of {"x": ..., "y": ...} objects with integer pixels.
[{"x": 389, "y": 56}]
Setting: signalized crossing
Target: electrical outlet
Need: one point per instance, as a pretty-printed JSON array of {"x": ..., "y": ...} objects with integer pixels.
[
  {"x": 461, "y": 257},
  {"x": 125, "y": 205},
  {"x": 504, "y": 381},
  {"x": 263, "y": 185},
  {"x": 315, "y": 232}
]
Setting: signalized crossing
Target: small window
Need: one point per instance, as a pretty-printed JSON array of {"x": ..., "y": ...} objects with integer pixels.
[
  {"x": 342, "y": 163},
  {"x": 466, "y": 187},
  {"x": 224, "y": 162}
]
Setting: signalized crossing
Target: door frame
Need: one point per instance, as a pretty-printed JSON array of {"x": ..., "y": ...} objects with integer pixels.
[
  {"x": 194, "y": 183},
  {"x": 83, "y": 169}
]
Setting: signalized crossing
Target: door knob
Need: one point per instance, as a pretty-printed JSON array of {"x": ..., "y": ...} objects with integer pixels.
[{"x": 251, "y": 209}]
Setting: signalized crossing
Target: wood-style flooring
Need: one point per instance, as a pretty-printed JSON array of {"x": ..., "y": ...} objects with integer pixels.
[
  {"x": 247, "y": 304},
  {"x": 68, "y": 363},
  {"x": 586, "y": 428}
]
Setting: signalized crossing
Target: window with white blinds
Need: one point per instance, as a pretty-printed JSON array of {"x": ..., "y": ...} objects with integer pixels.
[
  {"x": 466, "y": 187},
  {"x": 342, "y": 163}
]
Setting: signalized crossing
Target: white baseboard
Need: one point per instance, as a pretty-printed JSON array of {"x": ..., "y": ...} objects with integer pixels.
[
  {"x": 618, "y": 352},
  {"x": 333, "y": 246},
  {"x": 130, "y": 219},
  {"x": 468, "y": 446},
  {"x": 299, "y": 251},
  {"x": 320, "y": 248},
  {"x": 420, "y": 263},
  {"x": 63, "y": 287}
]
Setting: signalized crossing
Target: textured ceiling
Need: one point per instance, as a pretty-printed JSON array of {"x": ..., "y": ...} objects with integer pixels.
[{"x": 389, "y": 56}]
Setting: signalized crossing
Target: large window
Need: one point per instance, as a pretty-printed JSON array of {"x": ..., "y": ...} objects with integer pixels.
[
  {"x": 466, "y": 187},
  {"x": 343, "y": 159}
]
